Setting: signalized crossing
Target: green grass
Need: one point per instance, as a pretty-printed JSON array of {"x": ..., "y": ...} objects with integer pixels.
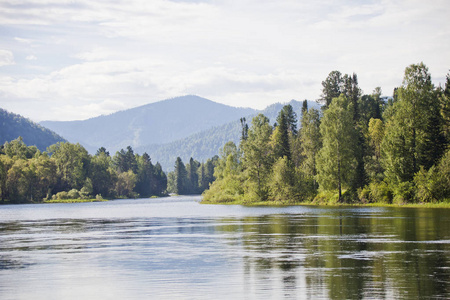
[
  {"x": 74, "y": 200},
  {"x": 319, "y": 204}
]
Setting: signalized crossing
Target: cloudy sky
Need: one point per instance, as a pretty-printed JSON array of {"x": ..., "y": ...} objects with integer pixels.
[{"x": 69, "y": 59}]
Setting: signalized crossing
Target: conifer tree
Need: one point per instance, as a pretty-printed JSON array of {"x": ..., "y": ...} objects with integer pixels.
[
  {"x": 180, "y": 177},
  {"x": 331, "y": 88},
  {"x": 413, "y": 136}
]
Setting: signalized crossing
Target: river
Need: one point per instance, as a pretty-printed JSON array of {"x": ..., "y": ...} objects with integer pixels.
[{"x": 176, "y": 248}]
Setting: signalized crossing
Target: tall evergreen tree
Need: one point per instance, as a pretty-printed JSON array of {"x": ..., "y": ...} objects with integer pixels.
[
  {"x": 192, "y": 170},
  {"x": 445, "y": 109},
  {"x": 160, "y": 180},
  {"x": 145, "y": 176},
  {"x": 413, "y": 131},
  {"x": 331, "y": 88},
  {"x": 180, "y": 177},
  {"x": 352, "y": 91},
  {"x": 290, "y": 119},
  {"x": 280, "y": 137},
  {"x": 244, "y": 131}
]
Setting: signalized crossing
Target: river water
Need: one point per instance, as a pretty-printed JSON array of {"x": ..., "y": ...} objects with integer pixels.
[{"x": 176, "y": 248}]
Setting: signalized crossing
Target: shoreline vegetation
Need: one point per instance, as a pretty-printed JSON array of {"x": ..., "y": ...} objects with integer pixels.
[
  {"x": 335, "y": 204},
  {"x": 74, "y": 200},
  {"x": 356, "y": 150}
]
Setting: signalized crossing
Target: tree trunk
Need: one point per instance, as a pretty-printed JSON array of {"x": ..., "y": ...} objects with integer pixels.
[{"x": 339, "y": 180}]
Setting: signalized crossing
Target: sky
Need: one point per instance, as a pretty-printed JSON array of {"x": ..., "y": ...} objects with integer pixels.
[{"x": 73, "y": 60}]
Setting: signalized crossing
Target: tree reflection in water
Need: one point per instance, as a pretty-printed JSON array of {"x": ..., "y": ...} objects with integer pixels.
[{"x": 347, "y": 254}]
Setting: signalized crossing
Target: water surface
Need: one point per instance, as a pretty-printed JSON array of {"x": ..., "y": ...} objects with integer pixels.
[{"x": 177, "y": 248}]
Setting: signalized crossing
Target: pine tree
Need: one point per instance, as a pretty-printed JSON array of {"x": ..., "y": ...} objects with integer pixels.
[
  {"x": 413, "y": 138},
  {"x": 280, "y": 138},
  {"x": 180, "y": 177},
  {"x": 331, "y": 88}
]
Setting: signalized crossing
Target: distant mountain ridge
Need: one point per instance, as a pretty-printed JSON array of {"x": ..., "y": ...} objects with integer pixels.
[
  {"x": 13, "y": 125},
  {"x": 188, "y": 126},
  {"x": 206, "y": 144},
  {"x": 155, "y": 123}
]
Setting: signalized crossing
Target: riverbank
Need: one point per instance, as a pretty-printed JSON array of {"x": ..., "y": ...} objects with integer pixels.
[
  {"x": 324, "y": 204},
  {"x": 74, "y": 200}
]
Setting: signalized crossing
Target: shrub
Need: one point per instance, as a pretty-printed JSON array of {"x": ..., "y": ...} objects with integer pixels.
[
  {"x": 73, "y": 194},
  {"x": 61, "y": 195},
  {"x": 380, "y": 192},
  {"x": 404, "y": 192}
]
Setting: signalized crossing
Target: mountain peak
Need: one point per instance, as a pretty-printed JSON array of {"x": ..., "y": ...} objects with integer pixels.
[{"x": 154, "y": 123}]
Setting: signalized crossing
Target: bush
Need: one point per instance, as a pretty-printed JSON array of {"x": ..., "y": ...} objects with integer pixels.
[
  {"x": 327, "y": 197},
  {"x": 60, "y": 196},
  {"x": 404, "y": 192},
  {"x": 73, "y": 194},
  {"x": 380, "y": 192},
  {"x": 364, "y": 195}
]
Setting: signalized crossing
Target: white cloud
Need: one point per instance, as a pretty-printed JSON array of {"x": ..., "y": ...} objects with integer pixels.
[
  {"x": 245, "y": 53},
  {"x": 6, "y": 58},
  {"x": 31, "y": 57}
]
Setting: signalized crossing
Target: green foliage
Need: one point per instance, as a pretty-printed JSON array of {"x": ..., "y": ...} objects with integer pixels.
[
  {"x": 282, "y": 185},
  {"x": 331, "y": 87},
  {"x": 72, "y": 164},
  {"x": 376, "y": 192},
  {"x": 310, "y": 143},
  {"x": 336, "y": 160},
  {"x": 27, "y": 175},
  {"x": 228, "y": 186},
  {"x": 258, "y": 158},
  {"x": 362, "y": 149},
  {"x": 413, "y": 136}
]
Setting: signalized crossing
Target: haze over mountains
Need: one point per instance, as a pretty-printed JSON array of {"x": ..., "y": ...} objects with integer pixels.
[
  {"x": 188, "y": 126},
  {"x": 206, "y": 144},
  {"x": 156, "y": 123}
]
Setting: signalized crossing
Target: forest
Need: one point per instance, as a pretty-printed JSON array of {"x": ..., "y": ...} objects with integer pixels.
[
  {"x": 355, "y": 149},
  {"x": 68, "y": 171}
]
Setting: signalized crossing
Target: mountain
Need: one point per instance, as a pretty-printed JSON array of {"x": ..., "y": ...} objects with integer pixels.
[
  {"x": 12, "y": 126},
  {"x": 206, "y": 144},
  {"x": 156, "y": 123}
]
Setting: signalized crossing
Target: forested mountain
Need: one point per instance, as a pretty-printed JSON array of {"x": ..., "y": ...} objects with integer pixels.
[
  {"x": 156, "y": 123},
  {"x": 12, "y": 126},
  {"x": 206, "y": 144}
]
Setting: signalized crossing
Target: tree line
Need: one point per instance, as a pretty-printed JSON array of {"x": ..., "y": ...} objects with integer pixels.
[
  {"x": 357, "y": 148},
  {"x": 192, "y": 178},
  {"x": 67, "y": 171}
]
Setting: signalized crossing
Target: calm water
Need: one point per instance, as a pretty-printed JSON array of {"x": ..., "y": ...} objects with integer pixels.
[{"x": 175, "y": 248}]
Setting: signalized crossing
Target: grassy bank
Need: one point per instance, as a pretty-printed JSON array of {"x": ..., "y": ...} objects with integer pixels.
[
  {"x": 324, "y": 204},
  {"x": 74, "y": 200}
]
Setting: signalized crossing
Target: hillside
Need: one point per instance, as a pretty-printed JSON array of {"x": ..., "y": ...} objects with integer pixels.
[
  {"x": 12, "y": 126},
  {"x": 156, "y": 123},
  {"x": 206, "y": 144}
]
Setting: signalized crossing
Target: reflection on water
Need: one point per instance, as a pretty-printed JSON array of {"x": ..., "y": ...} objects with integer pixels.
[{"x": 178, "y": 248}]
